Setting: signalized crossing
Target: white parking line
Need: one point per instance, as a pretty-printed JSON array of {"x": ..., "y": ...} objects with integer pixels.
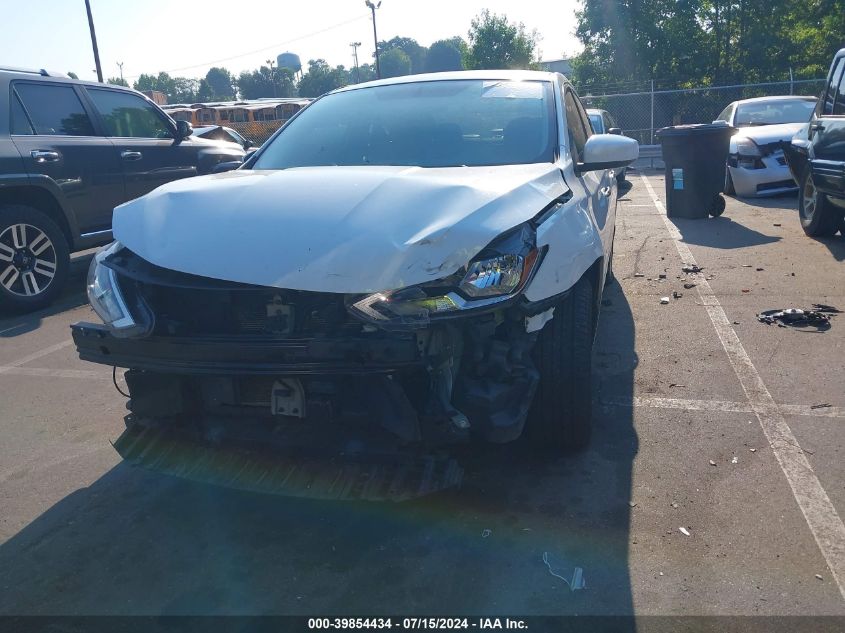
[
  {"x": 821, "y": 516},
  {"x": 8, "y": 367},
  {"x": 806, "y": 410},
  {"x": 53, "y": 373}
]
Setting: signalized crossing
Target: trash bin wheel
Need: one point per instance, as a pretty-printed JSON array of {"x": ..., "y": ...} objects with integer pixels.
[{"x": 717, "y": 206}]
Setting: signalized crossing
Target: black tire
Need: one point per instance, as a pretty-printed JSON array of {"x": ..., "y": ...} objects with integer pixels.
[
  {"x": 717, "y": 206},
  {"x": 561, "y": 414},
  {"x": 28, "y": 258},
  {"x": 818, "y": 217},
  {"x": 729, "y": 183}
]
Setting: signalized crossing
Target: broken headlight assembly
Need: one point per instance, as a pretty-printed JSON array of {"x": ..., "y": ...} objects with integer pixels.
[
  {"x": 748, "y": 154},
  {"x": 106, "y": 298},
  {"x": 497, "y": 274}
]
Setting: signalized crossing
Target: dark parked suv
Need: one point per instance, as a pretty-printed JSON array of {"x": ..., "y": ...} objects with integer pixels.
[
  {"x": 816, "y": 159},
  {"x": 70, "y": 152}
]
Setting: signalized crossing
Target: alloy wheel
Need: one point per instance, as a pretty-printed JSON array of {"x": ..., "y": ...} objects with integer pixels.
[
  {"x": 28, "y": 260},
  {"x": 809, "y": 200}
]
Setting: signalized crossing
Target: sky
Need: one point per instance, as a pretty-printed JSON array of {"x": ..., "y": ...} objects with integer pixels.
[{"x": 187, "y": 38}]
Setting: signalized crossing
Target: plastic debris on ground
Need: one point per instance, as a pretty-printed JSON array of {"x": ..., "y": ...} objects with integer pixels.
[
  {"x": 689, "y": 286},
  {"x": 557, "y": 567},
  {"x": 692, "y": 268},
  {"x": 735, "y": 460},
  {"x": 664, "y": 300},
  {"x": 486, "y": 532},
  {"x": 684, "y": 531},
  {"x": 712, "y": 463},
  {"x": 818, "y": 316},
  {"x": 677, "y": 294}
]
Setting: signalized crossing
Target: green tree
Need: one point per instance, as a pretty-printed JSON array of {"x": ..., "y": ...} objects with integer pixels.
[
  {"x": 117, "y": 81},
  {"x": 161, "y": 82},
  {"x": 265, "y": 82},
  {"x": 496, "y": 43},
  {"x": 394, "y": 63},
  {"x": 221, "y": 83},
  {"x": 704, "y": 42},
  {"x": 184, "y": 90},
  {"x": 416, "y": 53},
  {"x": 322, "y": 78},
  {"x": 444, "y": 55}
]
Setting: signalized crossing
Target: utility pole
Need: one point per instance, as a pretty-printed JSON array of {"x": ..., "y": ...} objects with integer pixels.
[
  {"x": 373, "y": 8},
  {"x": 355, "y": 46},
  {"x": 94, "y": 41},
  {"x": 120, "y": 65},
  {"x": 272, "y": 76}
]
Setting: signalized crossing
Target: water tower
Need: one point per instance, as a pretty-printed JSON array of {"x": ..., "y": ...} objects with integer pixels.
[{"x": 290, "y": 61}]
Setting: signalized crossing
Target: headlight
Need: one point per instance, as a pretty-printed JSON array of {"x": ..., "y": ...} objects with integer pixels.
[
  {"x": 747, "y": 147},
  {"x": 105, "y": 296},
  {"x": 497, "y": 274}
]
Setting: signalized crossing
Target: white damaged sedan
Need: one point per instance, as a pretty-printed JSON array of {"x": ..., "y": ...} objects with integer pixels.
[{"x": 423, "y": 255}]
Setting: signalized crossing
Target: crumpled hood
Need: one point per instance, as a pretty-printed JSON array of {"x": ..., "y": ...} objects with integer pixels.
[
  {"x": 765, "y": 134},
  {"x": 333, "y": 229}
]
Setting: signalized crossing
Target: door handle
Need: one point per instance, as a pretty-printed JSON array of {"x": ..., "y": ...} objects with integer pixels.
[
  {"x": 129, "y": 154},
  {"x": 605, "y": 191},
  {"x": 44, "y": 156}
]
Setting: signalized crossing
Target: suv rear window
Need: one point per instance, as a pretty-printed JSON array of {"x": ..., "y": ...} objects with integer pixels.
[
  {"x": 20, "y": 124},
  {"x": 129, "y": 116},
  {"x": 54, "y": 109}
]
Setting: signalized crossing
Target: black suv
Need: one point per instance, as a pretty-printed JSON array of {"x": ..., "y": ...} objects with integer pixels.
[
  {"x": 70, "y": 152},
  {"x": 816, "y": 159}
]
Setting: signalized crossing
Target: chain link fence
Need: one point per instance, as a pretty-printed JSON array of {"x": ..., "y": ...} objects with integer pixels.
[
  {"x": 640, "y": 114},
  {"x": 256, "y": 131}
]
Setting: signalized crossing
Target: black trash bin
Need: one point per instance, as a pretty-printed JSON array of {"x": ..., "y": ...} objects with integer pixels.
[{"x": 695, "y": 157}]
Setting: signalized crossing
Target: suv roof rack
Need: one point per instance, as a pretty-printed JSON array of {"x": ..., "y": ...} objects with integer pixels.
[{"x": 30, "y": 71}]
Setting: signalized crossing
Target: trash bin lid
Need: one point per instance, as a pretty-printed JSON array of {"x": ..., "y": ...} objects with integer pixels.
[{"x": 694, "y": 129}]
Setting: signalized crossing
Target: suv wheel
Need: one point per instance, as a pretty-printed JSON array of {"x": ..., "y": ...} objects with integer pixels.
[
  {"x": 818, "y": 217},
  {"x": 34, "y": 258},
  {"x": 561, "y": 414}
]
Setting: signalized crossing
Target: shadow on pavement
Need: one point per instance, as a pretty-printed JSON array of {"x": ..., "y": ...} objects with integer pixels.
[
  {"x": 721, "y": 233},
  {"x": 72, "y": 296},
  {"x": 138, "y": 542}
]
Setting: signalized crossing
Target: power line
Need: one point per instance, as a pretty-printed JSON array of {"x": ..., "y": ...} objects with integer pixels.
[{"x": 265, "y": 48}]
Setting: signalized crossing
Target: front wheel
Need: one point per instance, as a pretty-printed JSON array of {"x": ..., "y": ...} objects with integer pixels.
[
  {"x": 34, "y": 258},
  {"x": 818, "y": 217},
  {"x": 561, "y": 414}
]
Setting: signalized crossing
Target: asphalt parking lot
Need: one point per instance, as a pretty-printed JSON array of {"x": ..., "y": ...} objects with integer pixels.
[{"x": 706, "y": 420}]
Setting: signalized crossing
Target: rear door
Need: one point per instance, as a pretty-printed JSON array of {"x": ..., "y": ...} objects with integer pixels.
[
  {"x": 827, "y": 135},
  {"x": 56, "y": 136},
  {"x": 144, "y": 140}
]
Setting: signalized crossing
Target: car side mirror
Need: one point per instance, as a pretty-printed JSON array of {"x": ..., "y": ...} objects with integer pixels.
[
  {"x": 183, "y": 129},
  {"x": 615, "y": 130},
  {"x": 608, "y": 151},
  {"x": 720, "y": 122},
  {"x": 247, "y": 144},
  {"x": 228, "y": 165}
]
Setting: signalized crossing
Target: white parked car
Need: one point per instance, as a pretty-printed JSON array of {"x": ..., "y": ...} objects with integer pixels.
[
  {"x": 756, "y": 165},
  {"x": 222, "y": 133},
  {"x": 604, "y": 123},
  {"x": 423, "y": 254}
]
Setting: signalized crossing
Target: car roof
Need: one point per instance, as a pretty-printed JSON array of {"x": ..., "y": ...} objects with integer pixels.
[
  {"x": 504, "y": 75},
  {"x": 776, "y": 98}
]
